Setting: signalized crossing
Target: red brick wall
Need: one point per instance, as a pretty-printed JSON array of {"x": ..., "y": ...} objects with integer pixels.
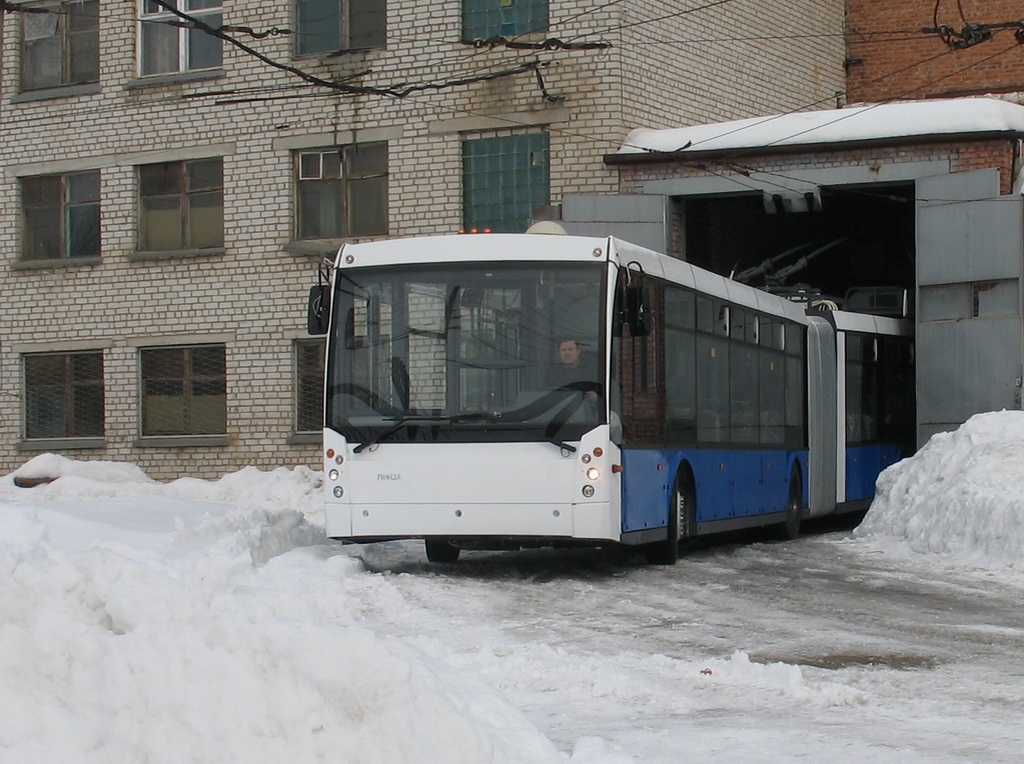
[
  {"x": 889, "y": 57},
  {"x": 962, "y": 156}
]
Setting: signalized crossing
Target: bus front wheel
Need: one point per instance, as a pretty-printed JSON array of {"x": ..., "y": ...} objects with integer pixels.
[
  {"x": 441, "y": 550},
  {"x": 682, "y": 520}
]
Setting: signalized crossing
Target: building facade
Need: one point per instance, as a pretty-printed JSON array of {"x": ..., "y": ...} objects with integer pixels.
[{"x": 176, "y": 172}]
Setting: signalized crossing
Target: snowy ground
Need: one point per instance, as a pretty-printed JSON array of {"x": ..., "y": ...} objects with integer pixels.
[{"x": 212, "y": 621}]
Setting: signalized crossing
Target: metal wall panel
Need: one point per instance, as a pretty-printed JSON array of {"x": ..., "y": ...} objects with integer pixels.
[
  {"x": 642, "y": 219},
  {"x": 970, "y": 250}
]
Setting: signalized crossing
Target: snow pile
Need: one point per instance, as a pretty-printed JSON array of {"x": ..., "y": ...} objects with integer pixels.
[
  {"x": 962, "y": 495},
  {"x": 148, "y": 627}
]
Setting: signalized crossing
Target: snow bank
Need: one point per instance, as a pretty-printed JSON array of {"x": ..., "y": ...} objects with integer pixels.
[
  {"x": 162, "y": 624},
  {"x": 962, "y": 495}
]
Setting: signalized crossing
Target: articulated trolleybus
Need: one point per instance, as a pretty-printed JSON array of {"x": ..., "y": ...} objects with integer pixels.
[{"x": 495, "y": 391}]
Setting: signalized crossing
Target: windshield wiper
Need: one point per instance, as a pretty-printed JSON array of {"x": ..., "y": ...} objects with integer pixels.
[{"x": 403, "y": 422}]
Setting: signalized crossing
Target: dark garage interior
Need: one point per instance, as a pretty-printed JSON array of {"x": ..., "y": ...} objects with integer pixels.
[{"x": 854, "y": 237}]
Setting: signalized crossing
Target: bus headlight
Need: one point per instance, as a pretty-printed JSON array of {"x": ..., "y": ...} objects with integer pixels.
[
  {"x": 333, "y": 474},
  {"x": 593, "y": 473},
  {"x": 588, "y": 491}
]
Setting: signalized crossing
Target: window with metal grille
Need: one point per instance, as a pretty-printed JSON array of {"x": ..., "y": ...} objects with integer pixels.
[
  {"x": 62, "y": 216},
  {"x": 166, "y": 45},
  {"x": 326, "y": 26},
  {"x": 64, "y": 395},
  {"x": 482, "y": 19},
  {"x": 182, "y": 205},
  {"x": 60, "y": 47},
  {"x": 503, "y": 179},
  {"x": 184, "y": 390},
  {"x": 342, "y": 191},
  {"x": 309, "y": 385}
]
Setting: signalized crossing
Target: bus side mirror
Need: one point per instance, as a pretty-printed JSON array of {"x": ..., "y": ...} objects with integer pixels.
[
  {"x": 637, "y": 312},
  {"x": 319, "y": 311}
]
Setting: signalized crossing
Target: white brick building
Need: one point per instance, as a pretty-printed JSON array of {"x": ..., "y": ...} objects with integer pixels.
[{"x": 170, "y": 192}]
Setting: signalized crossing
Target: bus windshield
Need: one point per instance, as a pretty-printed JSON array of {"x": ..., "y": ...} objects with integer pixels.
[{"x": 489, "y": 351}]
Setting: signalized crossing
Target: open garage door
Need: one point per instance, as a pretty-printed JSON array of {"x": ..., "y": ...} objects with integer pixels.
[{"x": 970, "y": 246}]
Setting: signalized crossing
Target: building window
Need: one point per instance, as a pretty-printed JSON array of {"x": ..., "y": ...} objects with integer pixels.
[
  {"x": 61, "y": 216},
  {"x": 64, "y": 395},
  {"x": 327, "y": 26},
  {"x": 343, "y": 191},
  {"x": 184, "y": 390},
  {"x": 167, "y": 45},
  {"x": 309, "y": 385},
  {"x": 503, "y": 179},
  {"x": 182, "y": 205},
  {"x": 60, "y": 47},
  {"x": 482, "y": 19}
]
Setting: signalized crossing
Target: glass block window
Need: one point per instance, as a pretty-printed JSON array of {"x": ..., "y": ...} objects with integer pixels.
[
  {"x": 309, "y": 385},
  {"x": 61, "y": 47},
  {"x": 342, "y": 191},
  {"x": 165, "y": 46},
  {"x": 61, "y": 216},
  {"x": 482, "y": 19},
  {"x": 327, "y": 26},
  {"x": 503, "y": 179},
  {"x": 184, "y": 390},
  {"x": 64, "y": 395},
  {"x": 182, "y": 205}
]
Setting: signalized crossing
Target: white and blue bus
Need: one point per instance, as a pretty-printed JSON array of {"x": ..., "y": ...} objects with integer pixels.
[{"x": 706, "y": 405}]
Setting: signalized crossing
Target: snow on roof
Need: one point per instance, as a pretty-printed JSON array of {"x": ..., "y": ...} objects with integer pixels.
[{"x": 857, "y": 123}]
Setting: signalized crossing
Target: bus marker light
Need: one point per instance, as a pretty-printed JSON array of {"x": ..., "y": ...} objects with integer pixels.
[
  {"x": 338, "y": 492},
  {"x": 593, "y": 473},
  {"x": 661, "y": 467},
  {"x": 588, "y": 491},
  {"x": 349, "y": 259},
  {"x": 616, "y": 468},
  {"x": 585, "y": 458},
  {"x": 339, "y": 459}
]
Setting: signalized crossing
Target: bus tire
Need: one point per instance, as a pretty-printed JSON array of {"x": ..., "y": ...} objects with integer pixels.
[
  {"x": 441, "y": 550},
  {"x": 682, "y": 520},
  {"x": 790, "y": 529}
]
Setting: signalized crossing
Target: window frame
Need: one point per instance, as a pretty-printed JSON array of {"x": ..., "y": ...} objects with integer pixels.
[
  {"x": 348, "y": 39},
  {"x": 73, "y": 387},
  {"x": 188, "y": 380},
  {"x": 150, "y": 13},
  {"x": 188, "y": 198},
  {"x": 60, "y": 213},
  {"x": 350, "y": 179},
  {"x": 67, "y": 40}
]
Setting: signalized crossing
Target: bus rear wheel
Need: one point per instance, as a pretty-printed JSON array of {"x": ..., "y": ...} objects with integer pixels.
[
  {"x": 682, "y": 520},
  {"x": 441, "y": 550},
  {"x": 790, "y": 529}
]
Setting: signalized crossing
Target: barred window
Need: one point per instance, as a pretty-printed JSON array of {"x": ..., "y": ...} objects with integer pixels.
[
  {"x": 61, "y": 215},
  {"x": 184, "y": 390},
  {"x": 182, "y": 205},
  {"x": 64, "y": 395},
  {"x": 60, "y": 47},
  {"x": 343, "y": 191},
  {"x": 309, "y": 385}
]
